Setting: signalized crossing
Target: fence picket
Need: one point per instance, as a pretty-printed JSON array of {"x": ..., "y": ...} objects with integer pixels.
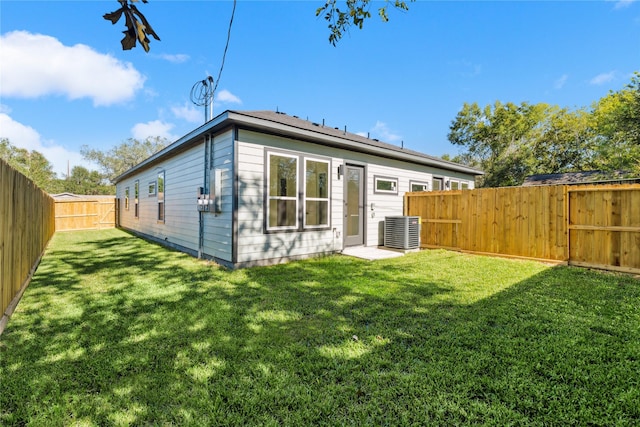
[
  {"x": 587, "y": 225},
  {"x": 26, "y": 225}
]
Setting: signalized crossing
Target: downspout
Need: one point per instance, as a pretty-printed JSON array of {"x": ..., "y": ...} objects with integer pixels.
[{"x": 205, "y": 186}]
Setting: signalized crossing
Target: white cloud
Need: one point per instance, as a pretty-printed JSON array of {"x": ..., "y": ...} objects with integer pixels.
[
  {"x": 23, "y": 136},
  {"x": 382, "y": 132},
  {"x": 621, "y": 4},
  {"x": 142, "y": 131},
  {"x": 603, "y": 78},
  {"x": 226, "y": 97},
  {"x": 175, "y": 58},
  {"x": 189, "y": 113},
  {"x": 560, "y": 82},
  {"x": 35, "y": 65}
]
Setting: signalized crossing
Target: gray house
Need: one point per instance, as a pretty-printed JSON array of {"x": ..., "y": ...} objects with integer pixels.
[{"x": 261, "y": 187}]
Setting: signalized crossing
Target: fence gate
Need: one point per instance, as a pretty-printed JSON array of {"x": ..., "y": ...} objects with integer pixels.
[
  {"x": 604, "y": 228},
  {"x": 85, "y": 214}
]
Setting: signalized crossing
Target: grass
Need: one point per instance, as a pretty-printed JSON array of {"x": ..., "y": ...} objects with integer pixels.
[{"x": 114, "y": 330}]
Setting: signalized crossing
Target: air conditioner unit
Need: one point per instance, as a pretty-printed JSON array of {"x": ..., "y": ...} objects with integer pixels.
[{"x": 402, "y": 232}]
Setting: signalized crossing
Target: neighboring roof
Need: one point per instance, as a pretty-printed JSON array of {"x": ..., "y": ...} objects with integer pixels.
[
  {"x": 278, "y": 123},
  {"x": 585, "y": 177}
]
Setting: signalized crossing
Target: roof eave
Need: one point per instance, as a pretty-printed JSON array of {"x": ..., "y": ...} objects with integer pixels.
[{"x": 229, "y": 118}]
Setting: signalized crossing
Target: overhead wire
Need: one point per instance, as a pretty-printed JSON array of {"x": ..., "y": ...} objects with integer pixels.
[{"x": 226, "y": 47}]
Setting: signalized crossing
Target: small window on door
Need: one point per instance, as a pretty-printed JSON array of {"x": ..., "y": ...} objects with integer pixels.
[{"x": 438, "y": 184}]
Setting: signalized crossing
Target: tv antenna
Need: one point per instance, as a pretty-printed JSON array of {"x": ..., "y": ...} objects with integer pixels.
[{"x": 202, "y": 95}]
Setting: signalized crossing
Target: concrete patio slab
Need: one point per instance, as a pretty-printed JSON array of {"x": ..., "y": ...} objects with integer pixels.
[{"x": 371, "y": 252}]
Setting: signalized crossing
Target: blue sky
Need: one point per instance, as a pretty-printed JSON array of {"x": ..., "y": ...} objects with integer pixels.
[{"x": 65, "y": 82}]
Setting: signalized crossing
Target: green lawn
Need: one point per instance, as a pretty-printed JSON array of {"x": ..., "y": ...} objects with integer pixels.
[{"x": 114, "y": 330}]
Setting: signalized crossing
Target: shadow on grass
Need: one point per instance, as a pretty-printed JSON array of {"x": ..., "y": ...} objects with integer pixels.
[{"x": 115, "y": 330}]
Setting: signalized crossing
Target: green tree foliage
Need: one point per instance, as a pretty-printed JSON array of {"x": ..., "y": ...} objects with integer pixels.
[
  {"x": 354, "y": 13},
  {"x": 119, "y": 159},
  {"x": 31, "y": 164},
  {"x": 510, "y": 142},
  {"x": 616, "y": 122},
  {"x": 85, "y": 182}
]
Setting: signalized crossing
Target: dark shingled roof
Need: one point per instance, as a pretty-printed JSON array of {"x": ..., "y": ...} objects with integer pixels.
[
  {"x": 297, "y": 122},
  {"x": 279, "y": 123},
  {"x": 585, "y": 177}
]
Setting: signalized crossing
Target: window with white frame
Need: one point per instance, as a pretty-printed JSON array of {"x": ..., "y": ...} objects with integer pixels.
[
  {"x": 316, "y": 194},
  {"x": 465, "y": 185},
  {"x": 298, "y": 190},
  {"x": 126, "y": 198},
  {"x": 136, "y": 194},
  {"x": 419, "y": 186},
  {"x": 455, "y": 185},
  {"x": 152, "y": 188},
  {"x": 282, "y": 198},
  {"x": 161, "y": 189},
  {"x": 385, "y": 185}
]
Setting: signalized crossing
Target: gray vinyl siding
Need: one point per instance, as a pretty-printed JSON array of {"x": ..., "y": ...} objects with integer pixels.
[
  {"x": 254, "y": 244},
  {"x": 218, "y": 227},
  {"x": 183, "y": 174}
]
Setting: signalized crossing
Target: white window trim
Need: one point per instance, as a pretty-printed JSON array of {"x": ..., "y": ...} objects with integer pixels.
[
  {"x": 316, "y": 199},
  {"x": 422, "y": 183},
  {"x": 270, "y": 197},
  {"x": 161, "y": 199},
  {"x": 136, "y": 198},
  {"x": 377, "y": 179}
]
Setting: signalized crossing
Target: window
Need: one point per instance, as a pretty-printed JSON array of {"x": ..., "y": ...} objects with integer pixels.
[
  {"x": 316, "y": 202},
  {"x": 455, "y": 185},
  {"x": 419, "y": 186},
  {"x": 126, "y": 198},
  {"x": 136, "y": 191},
  {"x": 438, "y": 184},
  {"x": 282, "y": 171},
  {"x": 152, "y": 188},
  {"x": 161, "y": 185},
  {"x": 298, "y": 190},
  {"x": 385, "y": 185},
  {"x": 465, "y": 185}
]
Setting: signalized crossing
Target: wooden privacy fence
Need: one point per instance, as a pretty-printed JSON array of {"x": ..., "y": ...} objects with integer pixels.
[
  {"x": 85, "y": 213},
  {"x": 591, "y": 225},
  {"x": 26, "y": 225}
]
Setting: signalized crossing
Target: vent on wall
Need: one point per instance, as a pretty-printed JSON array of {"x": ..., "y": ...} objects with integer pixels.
[{"x": 402, "y": 232}]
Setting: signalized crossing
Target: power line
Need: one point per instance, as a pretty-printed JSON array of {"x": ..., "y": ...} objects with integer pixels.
[{"x": 226, "y": 47}]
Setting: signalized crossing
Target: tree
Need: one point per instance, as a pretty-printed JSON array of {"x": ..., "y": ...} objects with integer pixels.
[
  {"x": 354, "y": 13},
  {"x": 84, "y": 181},
  {"x": 32, "y": 164},
  {"x": 511, "y": 141},
  {"x": 119, "y": 159},
  {"x": 616, "y": 121},
  {"x": 499, "y": 138}
]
